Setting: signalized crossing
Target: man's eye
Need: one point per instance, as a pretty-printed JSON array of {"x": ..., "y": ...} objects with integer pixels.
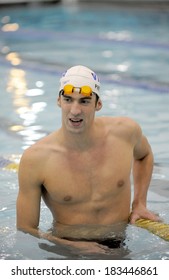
[
  {"x": 67, "y": 99},
  {"x": 85, "y": 101}
]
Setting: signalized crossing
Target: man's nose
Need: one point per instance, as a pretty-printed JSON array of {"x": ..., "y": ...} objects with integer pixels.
[{"x": 75, "y": 108}]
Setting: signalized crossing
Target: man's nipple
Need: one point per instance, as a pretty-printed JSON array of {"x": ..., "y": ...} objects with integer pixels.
[
  {"x": 120, "y": 183},
  {"x": 67, "y": 198}
]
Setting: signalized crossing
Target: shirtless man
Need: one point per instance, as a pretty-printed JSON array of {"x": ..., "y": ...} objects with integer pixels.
[{"x": 83, "y": 170}]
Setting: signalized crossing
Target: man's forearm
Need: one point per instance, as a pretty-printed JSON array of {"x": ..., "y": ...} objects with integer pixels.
[
  {"x": 142, "y": 173},
  {"x": 45, "y": 235},
  {"x": 85, "y": 246}
]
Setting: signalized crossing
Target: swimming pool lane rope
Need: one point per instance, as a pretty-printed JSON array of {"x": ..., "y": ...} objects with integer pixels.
[
  {"x": 158, "y": 228},
  {"x": 8, "y": 164}
]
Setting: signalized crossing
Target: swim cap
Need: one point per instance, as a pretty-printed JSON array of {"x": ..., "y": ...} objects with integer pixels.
[{"x": 79, "y": 76}]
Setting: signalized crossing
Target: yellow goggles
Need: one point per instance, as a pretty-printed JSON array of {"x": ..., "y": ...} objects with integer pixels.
[{"x": 84, "y": 90}]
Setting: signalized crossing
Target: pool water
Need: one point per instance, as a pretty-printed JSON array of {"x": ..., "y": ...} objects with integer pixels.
[{"x": 129, "y": 50}]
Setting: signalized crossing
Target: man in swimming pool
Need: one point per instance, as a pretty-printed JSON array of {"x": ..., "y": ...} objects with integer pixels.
[{"x": 82, "y": 171}]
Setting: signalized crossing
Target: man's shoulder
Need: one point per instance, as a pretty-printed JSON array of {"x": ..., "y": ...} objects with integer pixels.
[
  {"x": 38, "y": 150},
  {"x": 120, "y": 121},
  {"x": 123, "y": 127}
]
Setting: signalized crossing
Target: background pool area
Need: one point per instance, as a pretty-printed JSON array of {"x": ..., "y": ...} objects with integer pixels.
[{"x": 129, "y": 50}]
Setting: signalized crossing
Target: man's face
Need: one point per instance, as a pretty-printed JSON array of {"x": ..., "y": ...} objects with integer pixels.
[{"x": 78, "y": 111}]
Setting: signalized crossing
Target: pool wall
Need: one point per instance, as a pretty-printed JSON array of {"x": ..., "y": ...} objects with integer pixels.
[
  {"x": 6, "y": 2},
  {"x": 152, "y": 2}
]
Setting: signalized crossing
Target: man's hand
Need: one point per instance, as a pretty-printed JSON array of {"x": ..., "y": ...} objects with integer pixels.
[
  {"x": 83, "y": 246},
  {"x": 89, "y": 247},
  {"x": 141, "y": 212}
]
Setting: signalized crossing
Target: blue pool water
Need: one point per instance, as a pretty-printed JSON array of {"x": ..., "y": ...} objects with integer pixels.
[{"x": 129, "y": 50}]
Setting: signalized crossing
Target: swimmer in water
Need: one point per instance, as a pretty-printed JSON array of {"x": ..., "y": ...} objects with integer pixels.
[{"x": 82, "y": 171}]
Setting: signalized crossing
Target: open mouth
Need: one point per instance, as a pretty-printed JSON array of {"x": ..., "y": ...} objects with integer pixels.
[{"x": 76, "y": 122}]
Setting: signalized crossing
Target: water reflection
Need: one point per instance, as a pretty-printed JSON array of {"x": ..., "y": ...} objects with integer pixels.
[
  {"x": 25, "y": 108},
  {"x": 14, "y": 58},
  {"x": 7, "y": 26},
  {"x": 10, "y": 27},
  {"x": 119, "y": 36}
]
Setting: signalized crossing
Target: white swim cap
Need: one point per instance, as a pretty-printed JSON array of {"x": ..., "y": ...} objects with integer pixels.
[{"x": 79, "y": 76}]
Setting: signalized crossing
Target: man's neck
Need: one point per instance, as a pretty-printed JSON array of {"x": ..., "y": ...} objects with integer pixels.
[{"x": 78, "y": 141}]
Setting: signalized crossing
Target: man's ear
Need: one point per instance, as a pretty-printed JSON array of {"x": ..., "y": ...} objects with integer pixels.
[
  {"x": 99, "y": 105},
  {"x": 59, "y": 101}
]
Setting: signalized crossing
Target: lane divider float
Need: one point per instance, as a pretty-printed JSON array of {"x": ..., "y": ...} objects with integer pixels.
[
  {"x": 158, "y": 228},
  {"x": 8, "y": 164}
]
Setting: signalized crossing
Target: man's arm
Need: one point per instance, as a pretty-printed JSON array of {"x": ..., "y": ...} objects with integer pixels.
[
  {"x": 142, "y": 173},
  {"x": 29, "y": 195}
]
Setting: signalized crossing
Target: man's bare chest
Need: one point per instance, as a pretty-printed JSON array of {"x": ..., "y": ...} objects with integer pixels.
[{"x": 91, "y": 176}]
